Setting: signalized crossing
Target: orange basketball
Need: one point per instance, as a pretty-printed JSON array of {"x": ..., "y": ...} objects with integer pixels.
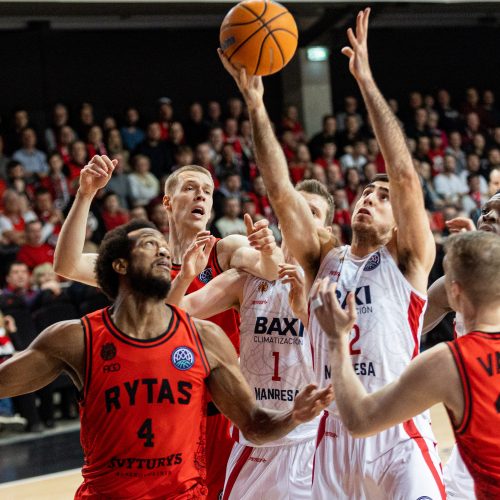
[{"x": 260, "y": 35}]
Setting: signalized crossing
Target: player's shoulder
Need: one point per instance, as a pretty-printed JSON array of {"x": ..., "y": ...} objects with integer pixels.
[{"x": 60, "y": 336}]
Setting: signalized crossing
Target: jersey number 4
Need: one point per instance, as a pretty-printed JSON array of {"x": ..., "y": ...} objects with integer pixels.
[{"x": 146, "y": 432}]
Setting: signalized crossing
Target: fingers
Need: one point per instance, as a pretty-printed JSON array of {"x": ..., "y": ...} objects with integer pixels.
[
  {"x": 210, "y": 244},
  {"x": 347, "y": 51},
  {"x": 249, "y": 224},
  {"x": 351, "y": 306},
  {"x": 352, "y": 39}
]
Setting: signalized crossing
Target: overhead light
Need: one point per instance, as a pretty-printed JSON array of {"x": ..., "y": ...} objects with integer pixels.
[{"x": 317, "y": 54}]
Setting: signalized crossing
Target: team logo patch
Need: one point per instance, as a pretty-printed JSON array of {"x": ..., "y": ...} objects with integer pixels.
[
  {"x": 183, "y": 358},
  {"x": 108, "y": 351},
  {"x": 263, "y": 287},
  {"x": 373, "y": 262},
  {"x": 206, "y": 275},
  {"x": 424, "y": 498}
]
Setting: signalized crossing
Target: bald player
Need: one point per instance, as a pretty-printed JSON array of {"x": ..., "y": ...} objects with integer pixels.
[
  {"x": 387, "y": 265},
  {"x": 463, "y": 374},
  {"x": 188, "y": 201}
]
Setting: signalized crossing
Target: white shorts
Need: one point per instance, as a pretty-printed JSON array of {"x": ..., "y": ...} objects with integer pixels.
[
  {"x": 277, "y": 472},
  {"x": 457, "y": 479},
  {"x": 411, "y": 470}
]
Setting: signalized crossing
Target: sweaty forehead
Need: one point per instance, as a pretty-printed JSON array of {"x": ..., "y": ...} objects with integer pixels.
[
  {"x": 198, "y": 177},
  {"x": 145, "y": 232}
]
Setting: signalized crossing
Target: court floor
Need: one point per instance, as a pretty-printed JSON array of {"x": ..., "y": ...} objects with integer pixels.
[{"x": 62, "y": 485}]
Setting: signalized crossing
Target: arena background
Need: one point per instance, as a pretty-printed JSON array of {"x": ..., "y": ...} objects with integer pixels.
[{"x": 131, "y": 53}]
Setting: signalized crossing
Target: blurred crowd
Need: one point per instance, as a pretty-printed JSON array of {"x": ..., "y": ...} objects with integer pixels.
[{"x": 455, "y": 144}]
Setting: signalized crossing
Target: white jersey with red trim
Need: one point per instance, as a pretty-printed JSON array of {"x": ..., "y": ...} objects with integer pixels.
[
  {"x": 275, "y": 352},
  {"x": 386, "y": 336}
]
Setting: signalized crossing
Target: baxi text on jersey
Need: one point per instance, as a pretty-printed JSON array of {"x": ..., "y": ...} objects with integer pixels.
[
  {"x": 266, "y": 393},
  {"x": 280, "y": 326},
  {"x": 147, "y": 391},
  {"x": 363, "y": 368},
  {"x": 362, "y": 297}
]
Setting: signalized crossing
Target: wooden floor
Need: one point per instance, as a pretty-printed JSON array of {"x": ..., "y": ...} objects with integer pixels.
[{"x": 62, "y": 485}]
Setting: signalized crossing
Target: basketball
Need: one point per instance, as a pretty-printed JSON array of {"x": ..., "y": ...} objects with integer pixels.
[{"x": 259, "y": 35}]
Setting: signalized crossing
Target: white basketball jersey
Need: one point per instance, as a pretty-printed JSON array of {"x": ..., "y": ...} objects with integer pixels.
[
  {"x": 275, "y": 352},
  {"x": 386, "y": 335}
]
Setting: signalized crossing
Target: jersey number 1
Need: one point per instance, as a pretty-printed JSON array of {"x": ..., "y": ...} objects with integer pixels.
[
  {"x": 146, "y": 432},
  {"x": 276, "y": 377}
]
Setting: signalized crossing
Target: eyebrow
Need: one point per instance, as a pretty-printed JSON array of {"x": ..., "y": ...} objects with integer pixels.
[{"x": 374, "y": 186}]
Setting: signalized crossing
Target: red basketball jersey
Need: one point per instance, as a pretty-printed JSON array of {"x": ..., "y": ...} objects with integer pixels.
[
  {"x": 477, "y": 356},
  {"x": 143, "y": 411},
  {"x": 229, "y": 320}
]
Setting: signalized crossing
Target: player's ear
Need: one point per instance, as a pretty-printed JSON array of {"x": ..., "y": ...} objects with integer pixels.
[
  {"x": 120, "y": 266},
  {"x": 167, "y": 202}
]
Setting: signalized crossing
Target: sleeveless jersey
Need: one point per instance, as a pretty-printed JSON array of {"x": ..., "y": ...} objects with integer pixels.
[
  {"x": 386, "y": 335},
  {"x": 228, "y": 320},
  {"x": 477, "y": 356},
  {"x": 275, "y": 357},
  {"x": 143, "y": 410}
]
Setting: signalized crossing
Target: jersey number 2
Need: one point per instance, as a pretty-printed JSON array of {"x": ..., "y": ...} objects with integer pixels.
[
  {"x": 146, "y": 432},
  {"x": 355, "y": 338}
]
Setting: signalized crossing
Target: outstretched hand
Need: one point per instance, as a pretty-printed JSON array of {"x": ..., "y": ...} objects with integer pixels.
[
  {"x": 251, "y": 86},
  {"x": 96, "y": 174},
  {"x": 460, "y": 225},
  {"x": 259, "y": 235},
  {"x": 334, "y": 321},
  {"x": 357, "y": 53},
  {"x": 196, "y": 257},
  {"x": 310, "y": 402}
]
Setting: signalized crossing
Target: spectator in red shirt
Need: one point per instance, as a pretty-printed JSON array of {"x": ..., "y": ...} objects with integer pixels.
[
  {"x": 95, "y": 142},
  {"x": 65, "y": 138},
  {"x": 34, "y": 251},
  {"x": 328, "y": 153},
  {"x": 301, "y": 164},
  {"x": 77, "y": 161},
  {"x": 204, "y": 155},
  {"x": 113, "y": 214},
  {"x": 165, "y": 116},
  {"x": 291, "y": 122}
]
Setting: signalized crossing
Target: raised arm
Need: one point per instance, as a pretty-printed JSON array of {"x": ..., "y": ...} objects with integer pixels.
[
  {"x": 58, "y": 348},
  {"x": 69, "y": 259},
  {"x": 415, "y": 244},
  {"x": 256, "y": 254},
  {"x": 432, "y": 377},
  {"x": 233, "y": 396},
  {"x": 437, "y": 305},
  {"x": 296, "y": 221}
]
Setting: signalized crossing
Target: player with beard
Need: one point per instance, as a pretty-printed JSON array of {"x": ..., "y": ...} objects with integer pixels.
[
  {"x": 387, "y": 266},
  {"x": 464, "y": 374},
  {"x": 188, "y": 201},
  {"x": 457, "y": 479},
  {"x": 144, "y": 371}
]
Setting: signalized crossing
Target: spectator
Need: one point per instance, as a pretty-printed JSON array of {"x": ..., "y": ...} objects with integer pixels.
[
  {"x": 471, "y": 104},
  {"x": 448, "y": 185},
  {"x": 176, "y": 136},
  {"x": 369, "y": 172},
  {"x": 138, "y": 212},
  {"x": 4, "y": 160},
  {"x": 235, "y": 108},
  {"x": 419, "y": 128},
  {"x": 157, "y": 150},
  {"x": 114, "y": 145},
  {"x": 455, "y": 149},
  {"x": 183, "y": 156},
  {"x": 231, "y": 222},
  {"x": 158, "y": 215},
  {"x": 48, "y": 214},
  {"x": 449, "y": 118},
  {"x": 327, "y": 134},
  {"x": 95, "y": 142},
  {"x": 119, "y": 182},
  {"x": 216, "y": 141},
  {"x": 229, "y": 162},
  {"x": 261, "y": 200},
  {"x": 301, "y": 163},
  {"x": 436, "y": 152},
  {"x": 16, "y": 178},
  {"x": 59, "y": 120},
  {"x": 35, "y": 251},
  {"x": 350, "y": 135},
  {"x": 316, "y": 172},
  {"x": 350, "y": 109},
  {"x": 231, "y": 135},
  {"x": 493, "y": 159},
  {"x": 165, "y": 117},
  {"x": 65, "y": 138},
  {"x": 195, "y": 127},
  {"x": 112, "y": 213},
  {"x": 144, "y": 186},
  {"x": 203, "y": 157},
  {"x": 131, "y": 133},
  {"x": 472, "y": 127},
  {"x": 353, "y": 185},
  {"x": 431, "y": 199},
  {"x": 328, "y": 154},
  {"x": 474, "y": 199},
  {"x": 77, "y": 161},
  {"x": 491, "y": 114},
  {"x": 214, "y": 113},
  {"x": 92, "y": 224},
  {"x": 375, "y": 155},
  {"x": 356, "y": 158},
  {"x": 474, "y": 167},
  {"x": 334, "y": 177},
  {"x": 289, "y": 145},
  {"x": 109, "y": 123},
  {"x": 494, "y": 182},
  {"x": 291, "y": 122},
  {"x": 85, "y": 120},
  {"x": 20, "y": 121},
  {"x": 230, "y": 187},
  {"x": 34, "y": 161},
  {"x": 12, "y": 222}
]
